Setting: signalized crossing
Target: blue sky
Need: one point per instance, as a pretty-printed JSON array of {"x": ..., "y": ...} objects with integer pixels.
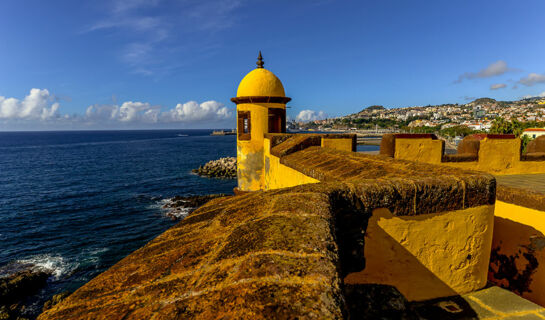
[{"x": 121, "y": 64}]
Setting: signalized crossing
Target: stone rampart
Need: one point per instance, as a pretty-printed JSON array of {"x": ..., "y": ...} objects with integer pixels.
[{"x": 286, "y": 253}]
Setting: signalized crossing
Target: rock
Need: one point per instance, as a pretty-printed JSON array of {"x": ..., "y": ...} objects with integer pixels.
[
  {"x": 15, "y": 288},
  {"x": 55, "y": 299},
  {"x": 221, "y": 168}
]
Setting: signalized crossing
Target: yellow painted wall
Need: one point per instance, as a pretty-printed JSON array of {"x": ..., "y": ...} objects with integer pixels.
[
  {"x": 421, "y": 150},
  {"x": 517, "y": 231},
  {"x": 496, "y": 156},
  {"x": 278, "y": 175},
  {"x": 250, "y": 153},
  {"x": 430, "y": 255},
  {"x": 339, "y": 144}
]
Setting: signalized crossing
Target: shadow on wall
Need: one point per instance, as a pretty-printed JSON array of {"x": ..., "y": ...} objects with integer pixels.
[
  {"x": 379, "y": 273},
  {"x": 517, "y": 250},
  {"x": 388, "y": 262}
]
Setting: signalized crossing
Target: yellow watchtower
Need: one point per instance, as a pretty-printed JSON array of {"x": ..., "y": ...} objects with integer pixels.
[{"x": 261, "y": 108}]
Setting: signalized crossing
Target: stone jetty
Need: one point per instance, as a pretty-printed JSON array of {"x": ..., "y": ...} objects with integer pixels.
[{"x": 221, "y": 168}]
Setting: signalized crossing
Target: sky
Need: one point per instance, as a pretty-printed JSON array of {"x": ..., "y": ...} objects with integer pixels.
[{"x": 157, "y": 64}]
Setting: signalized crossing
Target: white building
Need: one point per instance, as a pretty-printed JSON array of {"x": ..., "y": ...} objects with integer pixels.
[{"x": 533, "y": 132}]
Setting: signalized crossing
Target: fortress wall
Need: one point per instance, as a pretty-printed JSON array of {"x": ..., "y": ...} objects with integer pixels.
[
  {"x": 286, "y": 252},
  {"x": 280, "y": 176},
  {"x": 439, "y": 247},
  {"x": 277, "y": 175}
]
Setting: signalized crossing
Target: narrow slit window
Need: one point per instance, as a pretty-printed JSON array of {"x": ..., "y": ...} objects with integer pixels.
[{"x": 244, "y": 125}]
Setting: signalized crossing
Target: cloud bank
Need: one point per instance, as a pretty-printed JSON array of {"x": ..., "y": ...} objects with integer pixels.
[
  {"x": 494, "y": 69},
  {"x": 39, "y": 107},
  {"x": 310, "y": 115}
]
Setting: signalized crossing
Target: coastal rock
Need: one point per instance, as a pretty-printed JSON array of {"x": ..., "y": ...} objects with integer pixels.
[
  {"x": 182, "y": 205},
  {"x": 221, "y": 168},
  {"x": 15, "y": 288},
  {"x": 55, "y": 299}
]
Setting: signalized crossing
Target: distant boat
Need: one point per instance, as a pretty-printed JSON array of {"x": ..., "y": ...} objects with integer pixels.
[{"x": 223, "y": 132}]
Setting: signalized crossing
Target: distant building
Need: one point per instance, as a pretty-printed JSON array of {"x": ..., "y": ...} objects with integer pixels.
[
  {"x": 534, "y": 132},
  {"x": 478, "y": 112}
]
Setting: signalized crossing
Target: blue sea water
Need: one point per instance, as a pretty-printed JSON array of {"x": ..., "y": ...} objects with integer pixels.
[{"x": 75, "y": 203}]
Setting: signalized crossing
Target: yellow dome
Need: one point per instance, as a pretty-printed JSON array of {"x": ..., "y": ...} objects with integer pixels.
[{"x": 260, "y": 82}]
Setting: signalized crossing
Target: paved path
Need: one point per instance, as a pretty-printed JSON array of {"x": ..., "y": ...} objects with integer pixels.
[{"x": 534, "y": 182}]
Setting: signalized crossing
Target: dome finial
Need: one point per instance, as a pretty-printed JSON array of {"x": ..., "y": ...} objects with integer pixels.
[{"x": 260, "y": 62}]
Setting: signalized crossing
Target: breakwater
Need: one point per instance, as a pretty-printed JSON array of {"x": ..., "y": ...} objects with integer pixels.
[{"x": 221, "y": 168}]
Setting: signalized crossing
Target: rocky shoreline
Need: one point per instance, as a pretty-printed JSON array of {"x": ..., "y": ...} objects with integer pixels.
[
  {"x": 15, "y": 289},
  {"x": 225, "y": 168}
]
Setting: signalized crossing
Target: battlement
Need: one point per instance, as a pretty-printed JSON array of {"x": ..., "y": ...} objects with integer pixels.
[{"x": 496, "y": 154}]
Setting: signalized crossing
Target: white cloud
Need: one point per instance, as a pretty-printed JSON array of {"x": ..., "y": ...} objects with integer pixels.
[
  {"x": 310, "y": 115},
  {"x": 38, "y": 104},
  {"x": 498, "y": 86},
  {"x": 531, "y": 79},
  {"x": 140, "y": 112},
  {"x": 494, "y": 69},
  {"x": 193, "y": 111},
  {"x": 39, "y": 107}
]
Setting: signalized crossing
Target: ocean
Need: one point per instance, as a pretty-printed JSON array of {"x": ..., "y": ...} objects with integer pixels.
[{"x": 75, "y": 203}]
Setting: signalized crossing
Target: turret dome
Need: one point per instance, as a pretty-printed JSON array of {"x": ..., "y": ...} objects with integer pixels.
[{"x": 260, "y": 82}]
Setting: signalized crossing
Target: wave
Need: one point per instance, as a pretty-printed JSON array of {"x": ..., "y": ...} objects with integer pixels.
[
  {"x": 54, "y": 264},
  {"x": 165, "y": 205}
]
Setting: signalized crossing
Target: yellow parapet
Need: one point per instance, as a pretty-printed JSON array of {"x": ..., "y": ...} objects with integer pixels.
[
  {"x": 422, "y": 150},
  {"x": 430, "y": 255},
  {"x": 278, "y": 175},
  {"x": 495, "y": 154}
]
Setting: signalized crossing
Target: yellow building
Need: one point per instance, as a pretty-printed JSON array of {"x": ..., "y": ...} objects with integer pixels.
[{"x": 261, "y": 108}]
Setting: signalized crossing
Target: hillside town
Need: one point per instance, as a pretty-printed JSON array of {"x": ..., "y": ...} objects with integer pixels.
[{"x": 478, "y": 115}]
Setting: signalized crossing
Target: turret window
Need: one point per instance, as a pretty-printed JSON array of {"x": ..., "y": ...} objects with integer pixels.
[
  {"x": 277, "y": 120},
  {"x": 244, "y": 125}
]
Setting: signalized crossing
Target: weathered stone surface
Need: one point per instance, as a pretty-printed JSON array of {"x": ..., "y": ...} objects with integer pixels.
[
  {"x": 433, "y": 188},
  {"x": 260, "y": 265}
]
